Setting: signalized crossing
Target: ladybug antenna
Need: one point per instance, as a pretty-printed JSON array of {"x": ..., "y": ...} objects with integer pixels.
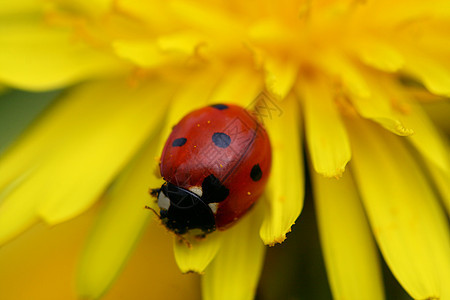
[{"x": 153, "y": 210}]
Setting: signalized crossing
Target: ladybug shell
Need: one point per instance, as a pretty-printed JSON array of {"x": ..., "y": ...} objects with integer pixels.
[{"x": 225, "y": 143}]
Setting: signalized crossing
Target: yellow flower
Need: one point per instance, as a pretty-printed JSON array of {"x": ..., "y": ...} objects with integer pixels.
[{"x": 351, "y": 76}]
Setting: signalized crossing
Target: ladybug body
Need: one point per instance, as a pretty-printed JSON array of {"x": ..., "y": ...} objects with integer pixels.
[{"x": 216, "y": 163}]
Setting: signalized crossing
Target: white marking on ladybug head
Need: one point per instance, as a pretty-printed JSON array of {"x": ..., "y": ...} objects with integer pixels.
[
  {"x": 196, "y": 190},
  {"x": 213, "y": 207},
  {"x": 163, "y": 201}
]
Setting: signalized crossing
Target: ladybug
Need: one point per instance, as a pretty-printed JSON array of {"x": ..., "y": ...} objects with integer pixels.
[{"x": 215, "y": 163}]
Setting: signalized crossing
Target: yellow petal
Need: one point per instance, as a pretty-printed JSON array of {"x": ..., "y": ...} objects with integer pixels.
[
  {"x": 269, "y": 32},
  {"x": 348, "y": 74},
  {"x": 75, "y": 151},
  {"x": 426, "y": 138},
  {"x": 154, "y": 13},
  {"x": 142, "y": 52},
  {"x": 439, "y": 112},
  {"x": 36, "y": 57},
  {"x": 119, "y": 226},
  {"x": 181, "y": 42},
  {"x": 234, "y": 272},
  {"x": 327, "y": 138},
  {"x": 240, "y": 85},
  {"x": 441, "y": 180},
  {"x": 9, "y": 8},
  {"x": 378, "y": 54},
  {"x": 398, "y": 13},
  {"x": 349, "y": 250},
  {"x": 434, "y": 75},
  {"x": 19, "y": 214},
  {"x": 285, "y": 189},
  {"x": 45, "y": 254},
  {"x": 408, "y": 223},
  {"x": 195, "y": 255},
  {"x": 94, "y": 8},
  {"x": 206, "y": 18},
  {"x": 50, "y": 254},
  {"x": 279, "y": 76},
  {"x": 379, "y": 107},
  {"x": 166, "y": 49}
]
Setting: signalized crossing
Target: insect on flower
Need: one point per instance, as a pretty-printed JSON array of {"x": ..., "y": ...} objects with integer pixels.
[{"x": 216, "y": 163}]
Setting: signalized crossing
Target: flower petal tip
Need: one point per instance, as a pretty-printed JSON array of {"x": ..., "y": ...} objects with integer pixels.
[
  {"x": 402, "y": 130},
  {"x": 336, "y": 173},
  {"x": 276, "y": 240},
  {"x": 191, "y": 271},
  {"x": 193, "y": 255},
  {"x": 274, "y": 93}
]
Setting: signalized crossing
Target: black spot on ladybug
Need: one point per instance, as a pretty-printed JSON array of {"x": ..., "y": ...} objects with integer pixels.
[
  {"x": 221, "y": 139},
  {"x": 213, "y": 190},
  {"x": 220, "y": 106},
  {"x": 179, "y": 142},
  {"x": 256, "y": 173}
]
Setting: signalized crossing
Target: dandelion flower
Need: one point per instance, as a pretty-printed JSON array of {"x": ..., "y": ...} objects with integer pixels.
[{"x": 349, "y": 80}]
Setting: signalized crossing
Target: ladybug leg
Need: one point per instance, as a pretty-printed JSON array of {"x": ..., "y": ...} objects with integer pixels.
[
  {"x": 154, "y": 211},
  {"x": 154, "y": 192}
]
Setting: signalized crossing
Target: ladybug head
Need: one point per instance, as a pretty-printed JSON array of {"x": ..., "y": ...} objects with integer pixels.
[{"x": 182, "y": 210}]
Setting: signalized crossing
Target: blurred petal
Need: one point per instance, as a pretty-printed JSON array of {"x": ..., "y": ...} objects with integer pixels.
[
  {"x": 9, "y": 8},
  {"x": 206, "y": 18},
  {"x": 45, "y": 260},
  {"x": 285, "y": 189},
  {"x": 441, "y": 180},
  {"x": 409, "y": 225},
  {"x": 378, "y": 54},
  {"x": 93, "y": 8},
  {"x": 279, "y": 76},
  {"x": 349, "y": 74},
  {"x": 37, "y": 57},
  {"x": 439, "y": 112},
  {"x": 75, "y": 151},
  {"x": 185, "y": 42},
  {"x": 147, "y": 53},
  {"x": 349, "y": 250},
  {"x": 119, "y": 225},
  {"x": 327, "y": 138},
  {"x": 426, "y": 138},
  {"x": 194, "y": 255},
  {"x": 433, "y": 74},
  {"x": 379, "y": 108},
  {"x": 43, "y": 255},
  {"x": 153, "y": 12},
  {"x": 234, "y": 272},
  {"x": 240, "y": 85},
  {"x": 152, "y": 272}
]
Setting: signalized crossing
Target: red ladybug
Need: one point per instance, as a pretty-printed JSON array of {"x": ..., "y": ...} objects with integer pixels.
[{"x": 216, "y": 163}]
